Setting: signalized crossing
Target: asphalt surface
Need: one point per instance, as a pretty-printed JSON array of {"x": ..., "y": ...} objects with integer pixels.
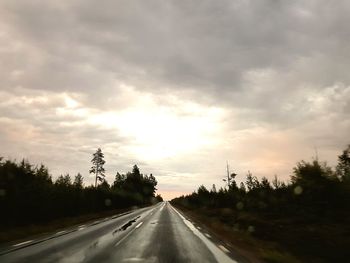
[{"x": 158, "y": 233}]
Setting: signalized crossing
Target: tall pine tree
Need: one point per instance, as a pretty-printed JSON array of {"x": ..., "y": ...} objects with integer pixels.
[{"x": 97, "y": 166}]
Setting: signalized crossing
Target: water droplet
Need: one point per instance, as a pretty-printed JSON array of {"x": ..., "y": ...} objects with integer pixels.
[
  {"x": 298, "y": 190},
  {"x": 108, "y": 202},
  {"x": 251, "y": 229},
  {"x": 239, "y": 205}
]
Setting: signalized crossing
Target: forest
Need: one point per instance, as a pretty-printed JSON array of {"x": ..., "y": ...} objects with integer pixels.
[
  {"x": 29, "y": 195},
  {"x": 308, "y": 216}
]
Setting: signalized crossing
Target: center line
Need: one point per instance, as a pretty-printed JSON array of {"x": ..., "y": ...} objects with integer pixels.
[
  {"x": 139, "y": 225},
  {"x": 23, "y": 243}
]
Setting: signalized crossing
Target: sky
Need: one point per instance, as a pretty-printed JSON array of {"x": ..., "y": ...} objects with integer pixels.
[{"x": 177, "y": 87}]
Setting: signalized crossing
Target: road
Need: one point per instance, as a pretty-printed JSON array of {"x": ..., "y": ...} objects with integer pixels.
[{"x": 154, "y": 234}]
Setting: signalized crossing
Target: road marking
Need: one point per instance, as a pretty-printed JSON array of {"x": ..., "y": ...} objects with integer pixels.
[
  {"x": 207, "y": 235},
  {"x": 81, "y": 228},
  {"x": 60, "y": 232},
  {"x": 151, "y": 212},
  {"x": 95, "y": 222},
  {"x": 23, "y": 243},
  {"x": 134, "y": 260},
  {"x": 217, "y": 252},
  {"x": 139, "y": 224},
  {"x": 223, "y": 249},
  {"x": 128, "y": 234}
]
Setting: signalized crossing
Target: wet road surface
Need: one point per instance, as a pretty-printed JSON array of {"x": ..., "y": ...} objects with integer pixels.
[{"x": 154, "y": 234}]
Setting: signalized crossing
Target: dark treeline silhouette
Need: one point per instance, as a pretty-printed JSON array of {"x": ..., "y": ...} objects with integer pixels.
[
  {"x": 29, "y": 195},
  {"x": 286, "y": 212},
  {"x": 314, "y": 188}
]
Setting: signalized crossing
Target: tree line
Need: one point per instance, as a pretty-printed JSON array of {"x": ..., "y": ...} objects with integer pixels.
[
  {"x": 307, "y": 216},
  {"x": 314, "y": 191},
  {"x": 28, "y": 194}
]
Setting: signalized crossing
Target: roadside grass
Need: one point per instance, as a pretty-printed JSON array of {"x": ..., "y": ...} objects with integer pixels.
[
  {"x": 266, "y": 238},
  {"x": 11, "y": 234}
]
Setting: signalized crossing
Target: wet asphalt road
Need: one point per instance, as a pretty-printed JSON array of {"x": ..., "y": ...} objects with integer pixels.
[{"x": 154, "y": 234}]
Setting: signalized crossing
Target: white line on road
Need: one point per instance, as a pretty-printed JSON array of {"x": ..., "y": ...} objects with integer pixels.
[
  {"x": 207, "y": 235},
  {"x": 60, "y": 232},
  {"x": 23, "y": 243},
  {"x": 224, "y": 249},
  {"x": 217, "y": 252},
  {"x": 139, "y": 225}
]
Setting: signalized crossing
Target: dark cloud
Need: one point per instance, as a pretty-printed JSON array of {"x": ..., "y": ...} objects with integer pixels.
[{"x": 204, "y": 46}]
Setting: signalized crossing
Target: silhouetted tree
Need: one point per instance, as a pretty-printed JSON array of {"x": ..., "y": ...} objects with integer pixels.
[
  {"x": 64, "y": 180},
  {"x": 242, "y": 187},
  {"x": 97, "y": 166},
  {"x": 28, "y": 195},
  {"x": 118, "y": 181},
  {"x": 213, "y": 189},
  {"x": 265, "y": 184},
  {"x": 104, "y": 185},
  {"x": 251, "y": 181},
  {"x": 343, "y": 166},
  {"x": 136, "y": 171},
  {"x": 276, "y": 183},
  {"x": 159, "y": 198},
  {"x": 78, "y": 181}
]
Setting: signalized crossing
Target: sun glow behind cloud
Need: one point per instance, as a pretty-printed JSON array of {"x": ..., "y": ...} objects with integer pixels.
[{"x": 162, "y": 131}]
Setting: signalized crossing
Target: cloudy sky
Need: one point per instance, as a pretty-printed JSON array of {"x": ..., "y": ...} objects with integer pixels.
[{"x": 177, "y": 87}]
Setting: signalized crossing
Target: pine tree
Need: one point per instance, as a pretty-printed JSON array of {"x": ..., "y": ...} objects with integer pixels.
[
  {"x": 64, "y": 180},
  {"x": 242, "y": 187},
  {"x": 78, "y": 181},
  {"x": 343, "y": 167},
  {"x": 97, "y": 166}
]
